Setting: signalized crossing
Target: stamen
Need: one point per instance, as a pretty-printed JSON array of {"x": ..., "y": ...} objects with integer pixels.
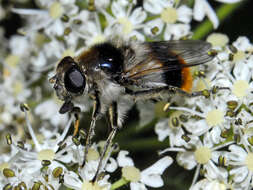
[
  {"x": 8, "y": 172},
  {"x": 30, "y": 129},
  {"x": 188, "y": 110},
  {"x": 57, "y": 172}
]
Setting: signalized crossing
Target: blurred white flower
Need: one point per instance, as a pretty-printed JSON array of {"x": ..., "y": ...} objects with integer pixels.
[
  {"x": 48, "y": 19},
  {"x": 125, "y": 20},
  {"x": 175, "y": 19},
  {"x": 49, "y": 110}
]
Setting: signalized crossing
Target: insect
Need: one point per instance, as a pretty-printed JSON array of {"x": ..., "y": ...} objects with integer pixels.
[{"x": 115, "y": 73}]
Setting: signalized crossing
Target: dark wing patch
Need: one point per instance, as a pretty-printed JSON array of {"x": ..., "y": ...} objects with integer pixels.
[{"x": 193, "y": 52}]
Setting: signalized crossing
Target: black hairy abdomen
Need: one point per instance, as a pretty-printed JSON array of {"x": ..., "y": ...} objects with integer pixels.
[{"x": 172, "y": 65}]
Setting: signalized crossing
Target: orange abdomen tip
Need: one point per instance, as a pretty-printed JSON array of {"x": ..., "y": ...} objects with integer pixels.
[{"x": 186, "y": 79}]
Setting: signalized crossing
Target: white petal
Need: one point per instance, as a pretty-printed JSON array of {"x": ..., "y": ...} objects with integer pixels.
[
  {"x": 198, "y": 10},
  {"x": 186, "y": 160},
  {"x": 184, "y": 14},
  {"x": 152, "y": 180},
  {"x": 228, "y": 1},
  {"x": 72, "y": 180},
  {"x": 152, "y": 24},
  {"x": 240, "y": 174},
  {"x": 29, "y": 11},
  {"x": 137, "y": 186},
  {"x": 198, "y": 127},
  {"x": 211, "y": 15},
  {"x": 138, "y": 16},
  {"x": 238, "y": 154},
  {"x": 117, "y": 10},
  {"x": 176, "y": 30},
  {"x": 242, "y": 43},
  {"x": 152, "y": 7},
  {"x": 215, "y": 135},
  {"x": 214, "y": 172},
  {"x": 123, "y": 160},
  {"x": 89, "y": 170},
  {"x": 111, "y": 166},
  {"x": 241, "y": 71},
  {"x": 207, "y": 140},
  {"x": 151, "y": 176},
  {"x": 139, "y": 36}
]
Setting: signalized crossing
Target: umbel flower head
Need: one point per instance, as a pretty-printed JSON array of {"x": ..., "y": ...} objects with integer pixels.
[{"x": 211, "y": 134}]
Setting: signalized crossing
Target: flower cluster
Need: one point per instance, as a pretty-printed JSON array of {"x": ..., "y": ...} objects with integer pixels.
[{"x": 211, "y": 133}]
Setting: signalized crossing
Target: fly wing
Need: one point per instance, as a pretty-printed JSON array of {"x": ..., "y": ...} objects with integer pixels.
[{"x": 166, "y": 62}]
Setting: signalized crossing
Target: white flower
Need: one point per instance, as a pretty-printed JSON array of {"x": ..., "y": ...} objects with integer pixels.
[
  {"x": 166, "y": 127},
  {"x": 205, "y": 154},
  {"x": 48, "y": 151},
  {"x": 49, "y": 18},
  {"x": 126, "y": 20},
  {"x": 92, "y": 31},
  {"x": 211, "y": 116},
  {"x": 87, "y": 173},
  {"x": 241, "y": 159},
  {"x": 151, "y": 176},
  {"x": 209, "y": 185},
  {"x": 72, "y": 180},
  {"x": 175, "y": 19}
]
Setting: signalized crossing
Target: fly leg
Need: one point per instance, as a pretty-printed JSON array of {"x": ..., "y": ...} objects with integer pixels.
[
  {"x": 113, "y": 119},
  {"x": 95, "y": 115},
  {"x": 151, "y": 93}
]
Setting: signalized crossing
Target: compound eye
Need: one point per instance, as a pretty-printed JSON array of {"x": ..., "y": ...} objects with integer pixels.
[{"x": 74, "y": 80}]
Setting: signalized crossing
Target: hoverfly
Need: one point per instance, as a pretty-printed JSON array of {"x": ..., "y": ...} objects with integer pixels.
[{"x": 113, "y": 72}]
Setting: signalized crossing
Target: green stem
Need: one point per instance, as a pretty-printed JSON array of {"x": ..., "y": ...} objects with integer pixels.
[
  {"x": 119, "y": 183},
  {"x": 222, "y": 12}
]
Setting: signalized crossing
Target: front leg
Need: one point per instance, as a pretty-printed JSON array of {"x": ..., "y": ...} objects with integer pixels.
[
  {"x": 113, "y": 118},
  {"x": 95, "y": 114}
]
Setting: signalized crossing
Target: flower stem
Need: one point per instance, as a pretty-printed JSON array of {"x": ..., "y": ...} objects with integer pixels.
[
  {"x": 222, "y": 12},
  {"x": 119, "y": 183}
]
